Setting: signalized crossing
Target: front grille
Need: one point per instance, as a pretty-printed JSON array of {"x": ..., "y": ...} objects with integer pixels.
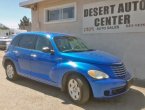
[{"x": 119, "y": 70}]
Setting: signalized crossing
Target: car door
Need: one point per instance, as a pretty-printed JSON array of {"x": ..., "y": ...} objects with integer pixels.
[
  {"x": 42, "y": 63},
  {"x": 23, "y": 53}
]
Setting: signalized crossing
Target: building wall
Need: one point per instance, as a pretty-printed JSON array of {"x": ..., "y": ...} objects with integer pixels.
[
  {"x": 4, "y": 33},
  {"x": 130, "y": 47}
]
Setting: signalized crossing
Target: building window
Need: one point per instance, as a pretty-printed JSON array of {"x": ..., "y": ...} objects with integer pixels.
[
  {"x": 68, "y": 13},
  {"x": 53, "y": 15},
  {"x": 64, "y": 13}
]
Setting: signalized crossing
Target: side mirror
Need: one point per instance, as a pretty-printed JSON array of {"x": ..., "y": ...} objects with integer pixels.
[{"x": 47, "y": 50}]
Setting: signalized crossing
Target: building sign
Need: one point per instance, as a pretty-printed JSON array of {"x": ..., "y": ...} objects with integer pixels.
[{"x": 114, "y": 16}]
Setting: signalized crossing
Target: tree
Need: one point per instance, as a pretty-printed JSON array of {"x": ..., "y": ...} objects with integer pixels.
[{"x": 25, "y": 23}]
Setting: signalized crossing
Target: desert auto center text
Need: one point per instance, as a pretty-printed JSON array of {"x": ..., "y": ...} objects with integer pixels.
[{"x": 122, "y": 11}]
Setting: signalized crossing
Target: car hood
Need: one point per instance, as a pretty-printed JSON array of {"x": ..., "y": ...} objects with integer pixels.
[{"x": 97, "y": 57}]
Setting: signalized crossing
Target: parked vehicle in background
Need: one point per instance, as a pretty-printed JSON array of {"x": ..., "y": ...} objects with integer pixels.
[
  {"x": 66, "y": 62},
  {"x": 17, "y": 31},
  {"x": 4, "y": 42},
  {"x": 10, "y": 39}
]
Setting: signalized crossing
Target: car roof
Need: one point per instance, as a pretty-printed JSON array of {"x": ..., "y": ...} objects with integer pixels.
[{"x": 51, "y": 34}]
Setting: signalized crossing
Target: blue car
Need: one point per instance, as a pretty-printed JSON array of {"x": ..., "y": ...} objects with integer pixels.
[{"x": 64, "y": 61}]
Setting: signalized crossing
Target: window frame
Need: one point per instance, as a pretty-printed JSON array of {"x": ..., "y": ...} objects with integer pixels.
[{"x": 60, "y": 7}]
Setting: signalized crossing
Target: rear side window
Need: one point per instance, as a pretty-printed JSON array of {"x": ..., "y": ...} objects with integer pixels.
[
  {"x": 28, "y": 41},
  {"x": 15, "y": 40}
]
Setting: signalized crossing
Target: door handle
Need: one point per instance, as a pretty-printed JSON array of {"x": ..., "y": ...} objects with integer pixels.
[{"x": 33, "y": 55}]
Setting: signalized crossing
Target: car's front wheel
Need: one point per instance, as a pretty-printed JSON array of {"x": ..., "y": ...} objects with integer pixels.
[
  {"x": 78, "y": 89},
  {"x": 11, "y": 71}
]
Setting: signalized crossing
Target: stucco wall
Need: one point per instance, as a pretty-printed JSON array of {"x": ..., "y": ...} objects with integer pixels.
[
  {"x": 3, "y": 33},
  {"x": 128, "y": 46}
]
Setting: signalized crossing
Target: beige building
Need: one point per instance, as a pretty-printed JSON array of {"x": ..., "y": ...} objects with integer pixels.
[
  {"x": 115, "y": 26},
  {"x": 4, "y": 33}
]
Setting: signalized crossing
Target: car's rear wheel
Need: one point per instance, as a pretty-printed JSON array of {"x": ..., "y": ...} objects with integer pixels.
[
  {"x": 11, "y": 71},
  {"x": 78, "y": 89}
]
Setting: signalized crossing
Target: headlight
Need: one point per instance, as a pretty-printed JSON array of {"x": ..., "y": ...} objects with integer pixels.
[{"x": 97, "y": 74}]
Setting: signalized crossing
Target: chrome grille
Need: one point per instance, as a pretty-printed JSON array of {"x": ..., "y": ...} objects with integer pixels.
[{"x": 119, "y": 70}]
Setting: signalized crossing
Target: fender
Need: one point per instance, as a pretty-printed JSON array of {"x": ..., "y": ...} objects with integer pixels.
[
  {"x": 13, "y": 60},
  {"x": 64, "y": 68}
]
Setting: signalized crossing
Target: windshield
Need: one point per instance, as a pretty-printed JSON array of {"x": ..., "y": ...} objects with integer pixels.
[{"x": 71, "y": 44}]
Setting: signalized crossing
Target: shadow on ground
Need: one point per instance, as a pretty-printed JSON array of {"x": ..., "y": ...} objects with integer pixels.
[
  {"x": 133, "y": 100},
  {"x": 139, "y": 82}
]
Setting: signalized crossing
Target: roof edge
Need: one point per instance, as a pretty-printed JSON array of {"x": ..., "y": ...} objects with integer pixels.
[{"x": 28, "y": 3}]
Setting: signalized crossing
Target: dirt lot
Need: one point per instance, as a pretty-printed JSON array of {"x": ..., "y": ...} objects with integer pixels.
[{"x": 26, "y": 94}]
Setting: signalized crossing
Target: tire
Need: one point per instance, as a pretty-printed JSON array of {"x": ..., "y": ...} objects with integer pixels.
[
  {"x": 11, "y": 71},
  {"x": 78, "y": 89}
]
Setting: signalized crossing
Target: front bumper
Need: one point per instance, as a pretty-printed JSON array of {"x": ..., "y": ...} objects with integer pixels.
[{"x": 108, "y": 88}]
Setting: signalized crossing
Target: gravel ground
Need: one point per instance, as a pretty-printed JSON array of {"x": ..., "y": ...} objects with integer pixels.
[{"x": 26, "y": 94}]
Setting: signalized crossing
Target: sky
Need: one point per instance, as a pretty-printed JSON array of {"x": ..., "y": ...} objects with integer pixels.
[{"x": 11, "y": 13}]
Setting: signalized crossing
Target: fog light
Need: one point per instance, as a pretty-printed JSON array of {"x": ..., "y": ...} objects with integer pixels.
[{"x": 107, "y": 93}]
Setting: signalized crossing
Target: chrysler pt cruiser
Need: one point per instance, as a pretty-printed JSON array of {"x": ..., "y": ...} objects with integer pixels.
[{"x": 64, "y": 61}]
